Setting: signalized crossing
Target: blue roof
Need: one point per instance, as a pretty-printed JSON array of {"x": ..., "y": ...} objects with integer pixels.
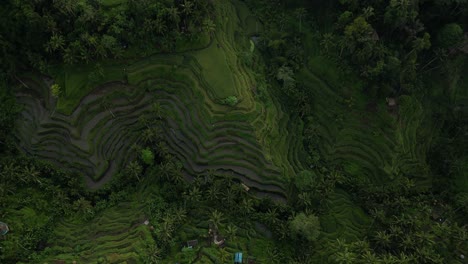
[
  {"x": 238, "y": 257},
  {"x": 3, "y": 228}
]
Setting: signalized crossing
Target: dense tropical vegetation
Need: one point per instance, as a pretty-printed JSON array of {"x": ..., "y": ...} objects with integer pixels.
[{"x": 293, "y": 131}]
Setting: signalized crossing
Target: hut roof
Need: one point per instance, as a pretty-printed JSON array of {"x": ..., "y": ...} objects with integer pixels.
[
  {"x": 238, "y": 257},
  {"x": 192, "y": 243},
  {"x": 391, "y": 101}
]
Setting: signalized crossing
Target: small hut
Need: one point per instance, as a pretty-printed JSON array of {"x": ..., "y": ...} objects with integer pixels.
[
  {"x": 238, "y": 258},
  {"x": 192, "y": 243},
  {"x": 3, "y": 229},
  {"x": 246, "y": 188},
  {"x": 392, "y": 105},
  {"x": 391, "y": 102}
]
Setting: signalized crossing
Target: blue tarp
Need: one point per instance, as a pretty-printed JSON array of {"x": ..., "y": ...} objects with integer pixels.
[
  {"x": 238, "y": 257},
  {"x": 3, "y": 228}
]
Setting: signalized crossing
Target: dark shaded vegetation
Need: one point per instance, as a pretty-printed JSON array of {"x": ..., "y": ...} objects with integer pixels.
[
  {"x": 40, "y": 33},
  {"x": 398, "y": 49}
]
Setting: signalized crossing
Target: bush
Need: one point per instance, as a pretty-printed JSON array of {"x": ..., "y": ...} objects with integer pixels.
[
  {"x": 147, "y": 156},
  {"x": 230, "y": 100},
  {"x": 55, "y": 90},
  {"x": 305, "y": 226},
  {"x": 450, "y": 35}
]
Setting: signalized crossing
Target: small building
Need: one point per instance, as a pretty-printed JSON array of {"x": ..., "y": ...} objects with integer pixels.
[
  {"x": 238, "y": 258},
  {"x": 246, "y": 188},
  {"x": 3, "y": 228},
  {"x": 192, "y": 243},
  {"x": 391, "y": 102}
]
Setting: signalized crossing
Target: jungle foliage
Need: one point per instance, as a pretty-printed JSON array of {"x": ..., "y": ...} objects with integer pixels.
[{"x": 378, "y": 86}]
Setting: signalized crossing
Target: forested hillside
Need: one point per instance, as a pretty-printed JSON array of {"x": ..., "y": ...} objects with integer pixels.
[{"x": 183, "y": 131}]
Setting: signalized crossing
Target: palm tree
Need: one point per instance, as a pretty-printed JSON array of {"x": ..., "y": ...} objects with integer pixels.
[
  {"x": 300, "y": 13},
  {"x": 328, "y": 41},
  {"x": 160, "y": 26},
  {"x": 284, "y": 73},
  {"x": 6, "y": 188},
  {"x": 187, "y": 7},
  {"x": 148, "y": 135},
  {"x": 165, "y": 170},
  {"x": 69, "y": 56},
  {"x": 143, "y": 120},
  {"x": 162, "y": 149},
  {"x": 305, "y": 199},
  {"x": 369, "y": 257},
  {"x": 56, "y": 42},
  {"x": 405, "y": 259},
  {"x": 195, "y": 194},
  {"x": 100, "y": 50},
  {"x": 223, "y": 255},
  {"x": 282, "y": 19},
  {"x": 209, "y": 176},
  {"x": 216, "y": 218},
  {"x": 229, "y": 197},
  {"x": 231, "y": 232},
  {"x": 135, "y": 147},
  {"x": 368, "y": 12},
  {"x": 177, "y": 176},
  {"x": 134, "y": 169},
  {"x": 247, "y": 206},
  {"x": 166, "y": 229},
  {"x": 383, "y": 239},
  {"x": 213, "y": 193},
  {"x": 180, "y": 214},
  {"x": 345, "y": 257},
  {"x": 209, "y": 26},
  {"x": 83, "y": 207},
  {"x": 157, "y": 110},
  {"x": 174, "y": 15},
  {"x": 273, "y": 256},
  {"x": 271, "y": 216},
  {"x": 68, "y": 7},
  {"x": 153, "y": 255},
  {"x": 31, "y": 175},
  {"x": 10, "y": 171}
]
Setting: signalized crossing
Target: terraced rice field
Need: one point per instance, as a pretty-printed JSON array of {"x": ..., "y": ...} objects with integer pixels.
[
  {"x": 371, "y": 142},
  {"x": 343, "y": 220},
  {"x": 365, "y": 138},
  {"x": 117, "y": 235},
  {"x": 250, "y": 141}
]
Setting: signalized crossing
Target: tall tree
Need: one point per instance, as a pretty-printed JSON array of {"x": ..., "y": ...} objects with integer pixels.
[
  {"x": 216, "y": 218},
  {"x": 300, "y": 13}
]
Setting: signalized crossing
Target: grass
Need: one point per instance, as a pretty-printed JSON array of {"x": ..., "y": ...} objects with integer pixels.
[
  {"x": 75, "y": 83},
  {"x": 116, "y": 234},
  {"x": 216, "y": 71},
  {"x": 185, "y": 44}
]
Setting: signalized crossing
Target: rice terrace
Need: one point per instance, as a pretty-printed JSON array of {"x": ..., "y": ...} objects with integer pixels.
[{"x": 233, "y": 131}]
